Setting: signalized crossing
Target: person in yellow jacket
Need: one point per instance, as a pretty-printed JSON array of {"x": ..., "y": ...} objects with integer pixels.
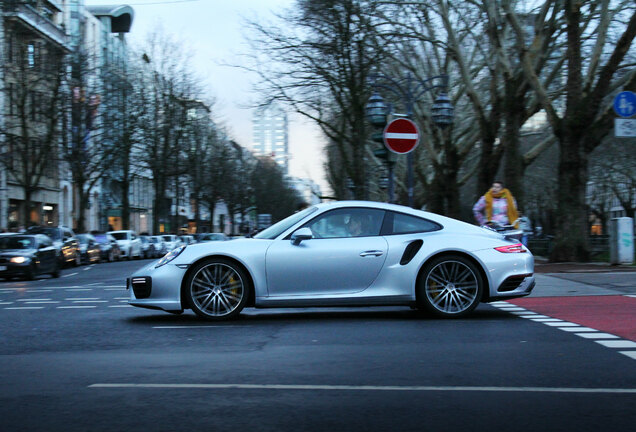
[{"x": 497, "y": 205}]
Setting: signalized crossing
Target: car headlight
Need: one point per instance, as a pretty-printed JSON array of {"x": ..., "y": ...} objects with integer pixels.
[
  {"x": 170, "y": 256},
  {"x": 19, "y": 259}
]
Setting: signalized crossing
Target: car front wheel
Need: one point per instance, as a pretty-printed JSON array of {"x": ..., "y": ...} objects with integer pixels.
[
  {"x": 217, "y": 289},
  {"x": 449, "y": 286}
]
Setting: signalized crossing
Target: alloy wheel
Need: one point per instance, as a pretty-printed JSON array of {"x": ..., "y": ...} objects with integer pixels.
[
  {"x": 217, "y": 290},
  {"x": 451, "y": 287}
]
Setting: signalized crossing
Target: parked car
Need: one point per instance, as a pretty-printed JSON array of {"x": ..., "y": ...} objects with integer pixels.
[
  {"x": 64, "y": 241},
  {"x": 28, "y": 256},
  {"x": 187, "y": 239},
  {"x": 129, "y": 243},
  {"x": 147, "y": 247},
  {"x": 90, "y": 252},
  {"x": 108, "y": 247},
  {"x": 212, "y": 237},
  {"x": 353, "y": 253},
  {"x": 171, "y": 241},
  {"x": 160, "y": 245}
]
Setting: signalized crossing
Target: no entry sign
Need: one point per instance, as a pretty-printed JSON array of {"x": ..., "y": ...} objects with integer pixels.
[{"x": 401, "y": 136}]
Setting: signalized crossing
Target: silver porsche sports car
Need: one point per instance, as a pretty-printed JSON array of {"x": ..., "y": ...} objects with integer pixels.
[{"x": 347, "y": 253}]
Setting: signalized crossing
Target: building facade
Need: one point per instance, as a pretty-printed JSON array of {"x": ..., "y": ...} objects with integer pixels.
[
  {"x": 33, "y": 46},
  {"x": 270, "y": 135}
]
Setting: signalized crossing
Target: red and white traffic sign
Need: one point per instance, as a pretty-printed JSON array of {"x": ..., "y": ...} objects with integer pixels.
[{"x": 401, "y": 136}]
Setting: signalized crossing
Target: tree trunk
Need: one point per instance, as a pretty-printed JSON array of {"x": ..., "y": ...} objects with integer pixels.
[
  {"x": 571, "y": 241},
  {"x": 513, "y": 160}
]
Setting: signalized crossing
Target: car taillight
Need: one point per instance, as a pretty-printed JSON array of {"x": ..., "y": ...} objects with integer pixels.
[{"x": 513, "y": 248}]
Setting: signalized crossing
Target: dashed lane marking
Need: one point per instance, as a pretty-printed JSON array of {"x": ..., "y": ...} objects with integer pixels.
[
  {"x": 78, "y": 289},
  {"x": 69, "y": 275},
  {"x": 369, "y": 388},
  {"x": 90, "y": 301},
  {"x": 119, "y": 306},
  {"x": 617, "y": 343},
  {"x": 606, "y": 339},
  {"x": 596, "y": 335},
  {"x": 24, "y": 307},
  {"x": 75, "y": 307},
  {"x": 81, "y": 298},
  {"x": 631, "y": 354},
  {"x": 26, "y": 300}
]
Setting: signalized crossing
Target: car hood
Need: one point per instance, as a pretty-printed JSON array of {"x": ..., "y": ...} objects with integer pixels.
[{"x": 16, "y": 252}]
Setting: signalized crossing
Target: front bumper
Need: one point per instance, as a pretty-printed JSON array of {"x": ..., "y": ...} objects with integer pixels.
[
  {"x": 161, "y": 288},
  {"x": 11, "y": 269}
]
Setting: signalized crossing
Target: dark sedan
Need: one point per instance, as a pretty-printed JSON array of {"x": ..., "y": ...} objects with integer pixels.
[
  {"x": 28, "y": 256},
  {"x": 108, "y": 245},
  {"x": 89, "y": 248}
]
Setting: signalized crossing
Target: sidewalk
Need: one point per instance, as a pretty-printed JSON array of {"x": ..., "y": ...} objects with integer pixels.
[{"x": 583, "y": 279}]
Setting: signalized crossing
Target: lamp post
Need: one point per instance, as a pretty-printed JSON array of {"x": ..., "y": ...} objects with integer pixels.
[{"x": 408, "y": 90}]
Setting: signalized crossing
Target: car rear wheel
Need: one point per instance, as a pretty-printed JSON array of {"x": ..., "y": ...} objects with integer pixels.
[
  {"x": 217, "y": 289},
  {"x": 449, "y": 286}
]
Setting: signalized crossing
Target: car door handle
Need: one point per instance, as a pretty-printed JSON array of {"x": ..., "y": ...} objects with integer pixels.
[{"x": 376, "y": 253}]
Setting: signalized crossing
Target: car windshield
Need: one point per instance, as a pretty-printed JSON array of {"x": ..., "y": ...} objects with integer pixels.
[
  {"x": 17, "y": 242},
  {"x": 53, "y": 233},
  {"x": 120, "y": 235},
  {"x": 101, "y": 238},
  {"x": 282, "y": 226}
]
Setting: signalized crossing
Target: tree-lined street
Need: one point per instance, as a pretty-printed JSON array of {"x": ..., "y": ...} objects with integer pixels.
[{"x": 74, "y": 356}]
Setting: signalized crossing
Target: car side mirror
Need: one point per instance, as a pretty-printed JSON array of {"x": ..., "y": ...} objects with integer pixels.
[{"x": 300, "y": 235}]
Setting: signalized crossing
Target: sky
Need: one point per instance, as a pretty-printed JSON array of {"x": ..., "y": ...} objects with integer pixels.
[{"x": 213, "y": 31}]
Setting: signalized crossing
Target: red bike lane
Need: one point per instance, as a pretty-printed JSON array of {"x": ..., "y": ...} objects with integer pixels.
[{"x": 615, "y": 314}]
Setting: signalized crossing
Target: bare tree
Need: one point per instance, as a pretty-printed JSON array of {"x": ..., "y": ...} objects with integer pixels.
[
  {"x": 604, "y": 31},
  {"x": 317, "y": 58}
]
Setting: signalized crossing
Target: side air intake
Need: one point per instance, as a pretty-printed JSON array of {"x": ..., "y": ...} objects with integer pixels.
[{"x": 411, "y": 250}]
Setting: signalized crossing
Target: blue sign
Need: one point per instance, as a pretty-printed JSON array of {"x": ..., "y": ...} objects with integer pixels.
[{"x": 625, "y": 104}]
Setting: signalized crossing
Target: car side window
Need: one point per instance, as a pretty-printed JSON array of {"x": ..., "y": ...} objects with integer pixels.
[
  {"x": 400, "y": 223},
  {"x": 347, "y": 222}
]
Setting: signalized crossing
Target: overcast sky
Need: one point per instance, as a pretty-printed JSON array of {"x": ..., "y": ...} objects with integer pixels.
[{"x": 213, "y": 30}]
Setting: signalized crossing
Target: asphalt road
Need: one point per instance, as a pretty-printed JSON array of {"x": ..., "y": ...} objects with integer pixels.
[{"x": 75, "y": 357}]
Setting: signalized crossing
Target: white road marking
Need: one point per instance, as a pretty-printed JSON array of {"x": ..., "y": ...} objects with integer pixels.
[
  {"x": 24, "y": 307},
  {"x": 26, "y": 300},
  {"x": 617, "y": 344},
  {"x": 75, "y": 307},
  {"x": 42, "y": 302},
  {"x": 577, "y": 329},
  {"x": 90, "y": 301},
  {"x": 5, "y": 303},
  {"x": 534, "y": 316},
  {"x": 546, "y": 320},
  {"x": 82, "y": 298},
  {"x": 199, "y": 326},
  {"x": 512, "y": 309},
  {"x": 119, "y": 306},
  {"x": 79, "y": 289},
  {"x": 115, "y": 289},
  {"x": 40, "y": 291},
  {"x": 120, "y": 298},
  {"x": 69, "y": 275},
  {"x": 631, "y": 354},
  {"x": 596, "y": 335},
  {"x": 370, "y": 388},
  {"x": 526, "y": 313},
  {"x": 561, "y": 324}
]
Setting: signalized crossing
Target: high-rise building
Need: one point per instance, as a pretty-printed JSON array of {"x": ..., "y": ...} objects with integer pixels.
[{"x": 270, "y": 135}]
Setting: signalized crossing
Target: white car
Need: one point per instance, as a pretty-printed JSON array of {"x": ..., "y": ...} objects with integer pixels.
[
  {"x": 171, "y": 241},
  {"x": 348, "y": 253},
  {"x": 129, "y": 243}
]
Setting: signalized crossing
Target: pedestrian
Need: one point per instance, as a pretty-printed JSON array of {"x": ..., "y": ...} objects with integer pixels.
[
  {"x": 497, "y": 205},
  {"x": 526, "y": 226}
]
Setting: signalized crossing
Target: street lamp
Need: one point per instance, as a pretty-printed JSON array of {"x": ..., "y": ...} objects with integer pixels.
[
  {"x": 409, "y": 90},
  {"x": 377, "y": 112}
]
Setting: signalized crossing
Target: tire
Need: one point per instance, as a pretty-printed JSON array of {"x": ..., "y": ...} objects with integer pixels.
[
  {"x": 217, "y": 289},
  {"x": 30, "y": 273},
  {"x": 449, "y": 286},
  {"x": 56, "y": 272}
]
